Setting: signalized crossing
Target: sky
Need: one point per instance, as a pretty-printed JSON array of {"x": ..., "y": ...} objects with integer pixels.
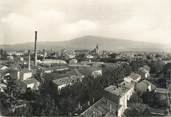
[{"x": 58, "y": 20}]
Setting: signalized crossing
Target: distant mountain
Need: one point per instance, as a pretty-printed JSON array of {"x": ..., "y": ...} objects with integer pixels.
[{"x": 89, "y": 42}]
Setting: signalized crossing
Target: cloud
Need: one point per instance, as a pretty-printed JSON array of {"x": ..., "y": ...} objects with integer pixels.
[{"x": 58, "y": 20}]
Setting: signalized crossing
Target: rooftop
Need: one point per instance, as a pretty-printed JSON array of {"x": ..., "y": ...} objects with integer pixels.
[
  {"x": 101, "y": 108},
  {"x": 161, "y": 91},
  {"x": 30, "y": 81},
  {"x": 119, "y": 90},
  {"x": 61, "y": 81},
  {"x": 134, "y": 76}
]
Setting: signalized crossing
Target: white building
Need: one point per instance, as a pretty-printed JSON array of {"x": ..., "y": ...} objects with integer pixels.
[
  {"x": 120, "y": 95},
  {"x": 31, "y": 83},
  {"x": 3, "y": 67},
  {"x": 144, "y": 72},
  {"x": 26, "y": 75},
  {"x": 52, "y": 61},
  {"x": 73, "y": 61},
  {"x": 133, "y": 77}
]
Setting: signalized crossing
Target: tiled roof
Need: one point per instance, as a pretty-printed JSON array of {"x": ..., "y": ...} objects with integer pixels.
[
  {"x": 30, "y": 81},
  {"x": 134, "y": 76},
  {"x": 120, "y": 89},
  {"x": 103, "y": 107}
]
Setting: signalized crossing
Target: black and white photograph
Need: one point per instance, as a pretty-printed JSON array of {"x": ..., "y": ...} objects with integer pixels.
[{"x": 85, "y": 58}]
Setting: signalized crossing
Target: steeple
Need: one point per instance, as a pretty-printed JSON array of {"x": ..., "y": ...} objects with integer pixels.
[{"x": 97, "y": 49}]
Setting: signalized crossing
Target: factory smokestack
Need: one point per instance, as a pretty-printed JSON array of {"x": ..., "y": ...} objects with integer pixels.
[
  {"x": 29, "y": 60},
  {"x": 35, "y": 49},
  {"x": 44, "y": 54}
]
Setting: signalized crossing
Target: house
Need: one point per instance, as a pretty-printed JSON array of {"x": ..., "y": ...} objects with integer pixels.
[
  {"x": 62, "y": 82},
  {"x": 31, "y": 83},
  {"x": 53, "y": 69},
  {"x": 161, "y": 91},
  {"x": 91, "y": 71},
  {"x": 133, "y": 77},
  {"x": 68, "y": 54},
  {"x": 102, "y": 108},
  {"x": 21, "y": 74},
  {"x": 120, "y": 95},
  {"x": 73, "y": 61},
  {"x": 52, "y": 61},
  {"x": 158, "y": 112},
  {"x": 26, "y": 74},
  {"x": 15, "y": 74},
  {"x": 144, "y": 72},
  {"x": 144, "y": 86},
  {"x": 82, "y": 52},
  {"x": 66, "y": 78},
  {"x": 3, "y": 67},
  {"x": 89, "y": 56},
  {"x": 3, "y": 87}
]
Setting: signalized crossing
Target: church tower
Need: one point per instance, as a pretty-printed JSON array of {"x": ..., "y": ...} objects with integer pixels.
[{"x": 97, "y": 49}]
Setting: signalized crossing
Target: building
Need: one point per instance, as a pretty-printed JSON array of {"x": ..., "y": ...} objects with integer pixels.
[
  {"x": 91, "y": 71},
  {"x": 102, "y": 108},
  {"x": 3, "y": 67},
  {"x": 133, "y": 78},
  {"x": 113, "y": 103},
  {"x": 161, "y": 91},
  {"x": 15, "y": 74},
  {"x": 68, "y": 54},
  {"x": 82, "y": 52},
  {"x": 3, "y": 87},
  {"x": 73, "y": 61},
  {"x": 144, "y": 86},
  {"x": 31, "y": 83},
  {"x": 54, "y": 69},
  {"x": 24, "y": 74},
  {"x": 52, "y": 61},
  {"x": 144, "y": 72},
  {"x": 66, "y": 78},
  {"x": 120, "y": 95}
]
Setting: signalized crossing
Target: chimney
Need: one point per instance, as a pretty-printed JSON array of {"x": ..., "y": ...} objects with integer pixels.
[
  {"x": 44, "y": 54},
  {"x": 110, "y": 108},
  {"x": 35, "y": 49},
  {"x": 28, "y": 59}
]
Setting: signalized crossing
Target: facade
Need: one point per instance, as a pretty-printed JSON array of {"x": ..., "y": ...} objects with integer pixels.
[
  {"x": 3, "y": 87},
  {"x": 68, "y": 54},
  {"x": 73, "y": 61},
  {"x": 15, "y": 74},
  {"x": 52, "y": 61},
  {"x": 20, "y": 75},
  {"x": 144, "y": 72},
  {"x": 26, "y": 75},
  {"x": 3, "y": 67},
  {"x": 97, "y": 73},
  {"x": 113, "y": 103},
  {"x": 120, "y": 95},
  {"x": 144, "y": 86},
  {"x": 31, "y": 83}
]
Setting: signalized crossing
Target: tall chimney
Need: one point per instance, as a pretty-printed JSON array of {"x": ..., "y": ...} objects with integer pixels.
[
  {"x": 35, "y": 49},
  {"x": 28, "y": 59},
  {"x": 44, "y": 54}
]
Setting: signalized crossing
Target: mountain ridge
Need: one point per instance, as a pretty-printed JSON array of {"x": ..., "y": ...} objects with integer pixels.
[{"x": 89, "y": 42}]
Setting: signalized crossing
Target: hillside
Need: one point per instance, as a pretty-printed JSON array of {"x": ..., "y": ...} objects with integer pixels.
[{"x": 89, "y": 42}]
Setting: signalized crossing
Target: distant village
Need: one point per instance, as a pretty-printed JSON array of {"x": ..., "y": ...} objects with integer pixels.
[{"x": 84, "y": 83}]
